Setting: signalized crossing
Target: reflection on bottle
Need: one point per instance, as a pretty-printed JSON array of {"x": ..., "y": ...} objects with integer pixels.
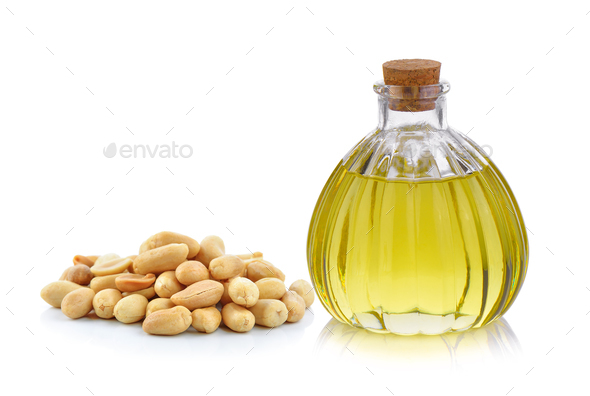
[{"x": 494, "y": 344}]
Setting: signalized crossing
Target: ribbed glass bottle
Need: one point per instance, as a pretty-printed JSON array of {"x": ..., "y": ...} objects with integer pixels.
[{"x": 416, "y": 230}]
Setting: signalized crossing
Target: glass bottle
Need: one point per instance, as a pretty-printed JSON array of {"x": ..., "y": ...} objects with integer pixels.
[{"x": 416, "y": 230}]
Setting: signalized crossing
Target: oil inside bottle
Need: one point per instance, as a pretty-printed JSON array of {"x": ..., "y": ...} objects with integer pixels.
[{"x": 417, "y": 257}]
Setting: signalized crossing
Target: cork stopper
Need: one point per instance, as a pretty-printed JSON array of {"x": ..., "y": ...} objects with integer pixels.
[{"x": 412, "y": 73}]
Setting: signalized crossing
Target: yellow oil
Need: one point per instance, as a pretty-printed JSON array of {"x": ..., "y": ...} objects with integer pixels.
[{"x": 417, "y": 257}]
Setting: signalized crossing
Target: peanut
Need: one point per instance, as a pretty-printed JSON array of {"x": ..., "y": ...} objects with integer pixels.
[
  {"x": 295, "y": 306},
  {"x": 225, "y": 298},
  {"x": 86, "y": 260},
  {"x": 237, "y": 318},
  {"x": 158, "y": 260},
  {"x": 243, "y": 292},
  {"x": 260, "y": 269},
  {"x": 54, "y": 293},
  {"x": 206, "y": 320},
  {"x": 169, "y": 321},
  {"x": 226, "y": 266},
  {"x": 111, "y": 267},
  {"x": 104, "y": 302},
  {"x": 211, "y": 247},
  {"x": 249, "y": 256},
  {"x": 79, "y": 274},
  {"x": 167, "y": 285},
  {"x": 77, "y": 303},
  {"x": 199, "y": 295},
  {"x": 99, "y": 283},
  {"x": 106, "y": 257},
  {"x": 166, "y": 238},
  {"x": 147, "y": 293},
  {"x": 131, "y": 309},
  {"x": 130, "y": 268},
  {"x": 158, "y": 304},
  {"x": 304, "y": 289},
  {"x": 134, "y": 282},
  {"x": 269, "y": 313},
  {"x": 191, "y": 272},
  {"x": 271, "y": 288}
]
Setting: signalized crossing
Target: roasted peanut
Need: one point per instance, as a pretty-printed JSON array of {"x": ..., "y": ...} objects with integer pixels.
[
  {"x": 99, "y": 283},
  {"x": 147, "y": 293},
  {"x": 166, "y": 238},
  {"x": 225, "y": 298},
  {"x": 111, "y": 267},
  {"x": 77, "y": 303},
  {"x": 86, "y": 260},
  {"x": 169, "y": 321},
  {"x": 295, "y": 306},
  {"x": 158, "y": 260},
  {"x": 199, "y": 295},
  {"x": 130, "y": 268},
  {"x": 269, "y": 313},
  {"x": 249, "y": 256},
  {"x": 54, "y": 293},
  {"x": 191, "y": 272},
  {"x": 243, "y": 291},
  {"x": 260, "y": 269},
  {"x": 158, "y": 304},
  {"x": 237, "y": 318},
  {"x": 211, "y": 247},
  {"x": 131, "y": 309},
  {"x": 226, "y": 266},
  {"x": 304, "y": 289},
  {"x": 167, "y": 285},
  {"x": 206, "y": 320},
  {"x": 104, "y": 302},
  {"x": 271, "y": 288},
  {"x": 79, "y": 274},
  {"x": 134, "y": 282},
  {"x": 106, "y": 257}
]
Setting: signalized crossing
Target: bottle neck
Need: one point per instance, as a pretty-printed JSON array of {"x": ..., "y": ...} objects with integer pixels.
[{"x": 411, "y": 120}]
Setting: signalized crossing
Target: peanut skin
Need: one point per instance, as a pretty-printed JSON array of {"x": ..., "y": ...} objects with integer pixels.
[
  {"x": 226, "y": 266},
  {"x": 271, "y": 288},
  {"x": 260, "y": 269},
  {"x": 295, "y": 306},
  {"x": 237, "y": 318},
  {"x": 77, "y": 303},
  {"x": 131, "y": 309},
  {"x": 158, "y": 260},
  {"x": 167, "y": 285},
  {"x": 104, "y": 302},
  {"x": 79, "y": 274},
  {"x": 304, "y": 289},
  {"x": 199, "y": 295},
  {"x": 166, "y": 238},
  {"x": 54, "y": 293},
  {"x": 243, "y": 291},
  {"x": 269, "y": 313},
  {"x": 191, "y": 272}
]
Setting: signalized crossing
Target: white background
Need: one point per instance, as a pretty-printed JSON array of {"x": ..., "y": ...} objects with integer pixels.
[{"x": 271, "y": 95}]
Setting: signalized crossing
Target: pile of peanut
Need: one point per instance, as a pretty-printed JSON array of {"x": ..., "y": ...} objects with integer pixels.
[{"x": 175, "y": 282}]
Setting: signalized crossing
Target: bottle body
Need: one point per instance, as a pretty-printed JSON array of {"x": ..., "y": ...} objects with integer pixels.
[{"x": 420, "y": 245}]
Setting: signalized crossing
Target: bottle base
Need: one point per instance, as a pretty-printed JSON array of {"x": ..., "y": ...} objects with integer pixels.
[{"x": 412, "y": 323}]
